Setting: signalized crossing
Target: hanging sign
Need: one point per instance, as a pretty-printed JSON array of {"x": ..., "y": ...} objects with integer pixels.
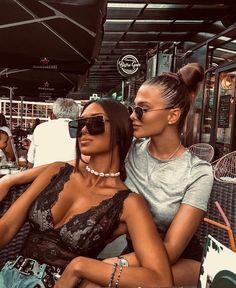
[{"x": 128, "y": 65}]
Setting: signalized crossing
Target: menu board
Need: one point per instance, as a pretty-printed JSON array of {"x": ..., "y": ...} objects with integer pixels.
[{"x": 224, "y": 111}]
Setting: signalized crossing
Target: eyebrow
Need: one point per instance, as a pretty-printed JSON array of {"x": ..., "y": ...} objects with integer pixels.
[
  {"x": 143, "y": 103},
  {"x": 92, "y": 115}
]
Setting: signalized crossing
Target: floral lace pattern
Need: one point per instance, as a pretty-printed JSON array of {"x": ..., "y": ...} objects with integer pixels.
[{"x": 83, "y": 235}]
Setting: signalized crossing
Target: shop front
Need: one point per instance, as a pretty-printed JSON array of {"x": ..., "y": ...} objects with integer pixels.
[{"x": 219, "y": 116}]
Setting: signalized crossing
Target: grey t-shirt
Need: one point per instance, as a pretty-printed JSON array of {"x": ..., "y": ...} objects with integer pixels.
[{"x": 165, "y": 184}]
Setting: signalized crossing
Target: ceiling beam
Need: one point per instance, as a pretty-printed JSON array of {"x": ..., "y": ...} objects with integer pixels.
[
  {"x": 213, "y": 13},
  {"x": 112, "y": 28},
  {"x": 197, "y": 2}
]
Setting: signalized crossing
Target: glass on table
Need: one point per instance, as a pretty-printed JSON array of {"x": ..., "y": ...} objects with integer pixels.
[
  {"x": 8, "y": 167},
  {"x": 22, "y": 158},
  {"x": 22, "y": 162}
]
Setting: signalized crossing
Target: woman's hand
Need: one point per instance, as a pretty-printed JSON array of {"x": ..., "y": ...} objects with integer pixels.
[{"x": 69, "y": 278}]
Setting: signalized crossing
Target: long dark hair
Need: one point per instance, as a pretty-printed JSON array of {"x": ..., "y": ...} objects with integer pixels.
[
  {"x": 178, "y": 88},
  {"x": 121, "y": 130}
]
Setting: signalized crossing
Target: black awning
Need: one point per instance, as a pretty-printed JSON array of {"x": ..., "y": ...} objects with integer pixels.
[{"x": 62, "y": 36}]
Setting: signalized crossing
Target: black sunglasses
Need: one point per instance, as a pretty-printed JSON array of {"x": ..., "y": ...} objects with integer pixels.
[
  {"x": 139, "y": 111},
  {"x": 95, "y": 125}
]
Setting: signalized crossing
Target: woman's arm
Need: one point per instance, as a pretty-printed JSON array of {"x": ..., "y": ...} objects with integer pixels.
[
  {"x": 14, "y": 218},
  {"x": 181, "y": 230},
  {"x": 23, "y": 177},
  {"x": 191, "y": 210},
  {"x": 154, "y": 271}
]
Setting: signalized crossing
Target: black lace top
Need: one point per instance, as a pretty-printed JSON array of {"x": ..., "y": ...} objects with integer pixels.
[{"x": 83, "y": 235}]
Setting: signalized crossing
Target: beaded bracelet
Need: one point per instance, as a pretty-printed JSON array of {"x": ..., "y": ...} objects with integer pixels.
[
  {"x": 118, "y": 277},
  {"x": 112, "y": 275}
]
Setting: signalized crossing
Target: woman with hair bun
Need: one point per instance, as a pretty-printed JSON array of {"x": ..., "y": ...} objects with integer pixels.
[{"x": 175, "y": 183}]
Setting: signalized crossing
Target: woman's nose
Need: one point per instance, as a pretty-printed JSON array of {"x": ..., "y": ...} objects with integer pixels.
[
  {"x": 133, "y": 116},
  {"x": 84, "y": 130}
]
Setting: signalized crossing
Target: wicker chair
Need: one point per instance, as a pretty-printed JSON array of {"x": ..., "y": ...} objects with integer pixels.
[
  {"x": 10, "y": 251},
  {"x": 225, "y": 168},
  {"x": 225, "y": 194},
  {"x": 203, "y": 150}
]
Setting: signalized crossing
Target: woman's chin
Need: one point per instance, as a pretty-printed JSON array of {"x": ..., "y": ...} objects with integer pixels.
[{"x": 138, "y": 134}]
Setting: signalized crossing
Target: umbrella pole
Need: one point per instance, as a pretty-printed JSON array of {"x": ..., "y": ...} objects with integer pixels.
[
  {"x": 21, "y": 111},
  {"x": 122, "y": 90},
  {"x": 11, "y": 89}
]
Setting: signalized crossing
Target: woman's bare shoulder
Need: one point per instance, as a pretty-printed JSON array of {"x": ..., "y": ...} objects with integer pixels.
[
  {"x": 135, "y": 200},
  {"x": 71, "y": 162},
  {"x": 55, "y": 166}
]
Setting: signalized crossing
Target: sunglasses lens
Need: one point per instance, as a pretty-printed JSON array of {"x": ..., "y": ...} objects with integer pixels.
[
  {"x": 75, "y": 128},
  {"x": 138, "y": 112},
  {"x": 130, "y": 110},
  {"x": 95, "y": 125}
]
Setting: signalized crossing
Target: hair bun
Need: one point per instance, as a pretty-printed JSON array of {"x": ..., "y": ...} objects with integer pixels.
[{"x": 192, "y": 74}]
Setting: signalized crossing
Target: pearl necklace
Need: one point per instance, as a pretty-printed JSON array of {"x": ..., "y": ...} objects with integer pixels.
[{"x": 102, "y": 174}]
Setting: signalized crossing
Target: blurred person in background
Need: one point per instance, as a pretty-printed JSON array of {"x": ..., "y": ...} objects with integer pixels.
[
  {"x": 25, "y": 143},
  {"x": 35, "y": 124},
  {"x": 23, "y": 152},
  {"x": 51, "y": 140},
  {"x": 9, "y": 150},
  {"x": 3, "y": 144}
]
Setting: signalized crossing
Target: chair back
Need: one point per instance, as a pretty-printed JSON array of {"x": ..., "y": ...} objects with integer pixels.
[
  {"x": 225, "y": 168},
  {"x": 12, "y": 249},
  {"x": 202, "y": 150}
]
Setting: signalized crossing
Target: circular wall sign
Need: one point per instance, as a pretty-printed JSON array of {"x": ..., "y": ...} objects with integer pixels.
[{"x": 128, "y": 65}]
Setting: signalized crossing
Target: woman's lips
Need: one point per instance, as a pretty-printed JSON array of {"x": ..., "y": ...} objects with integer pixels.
[
  {"x": 136, "y": 126},
  {"x": 84, "y": 141}
]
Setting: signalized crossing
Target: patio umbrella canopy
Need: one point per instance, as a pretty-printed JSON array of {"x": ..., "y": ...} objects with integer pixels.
[
  {"x": 63, "y": 36},
  {"x": 38, "y": 83}
]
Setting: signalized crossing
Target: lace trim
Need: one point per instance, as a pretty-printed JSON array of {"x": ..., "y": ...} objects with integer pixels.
[{"x": 93, "y": 208}]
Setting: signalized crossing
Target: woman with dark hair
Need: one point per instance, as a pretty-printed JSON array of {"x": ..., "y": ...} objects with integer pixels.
[{"x": 73, "y": 211}]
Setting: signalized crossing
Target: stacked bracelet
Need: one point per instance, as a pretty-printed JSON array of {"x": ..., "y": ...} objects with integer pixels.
[
  {"x": 118, "y": 277},
  {"x": 122, "y": 261},
  {"x": 112, "y": 275}
]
